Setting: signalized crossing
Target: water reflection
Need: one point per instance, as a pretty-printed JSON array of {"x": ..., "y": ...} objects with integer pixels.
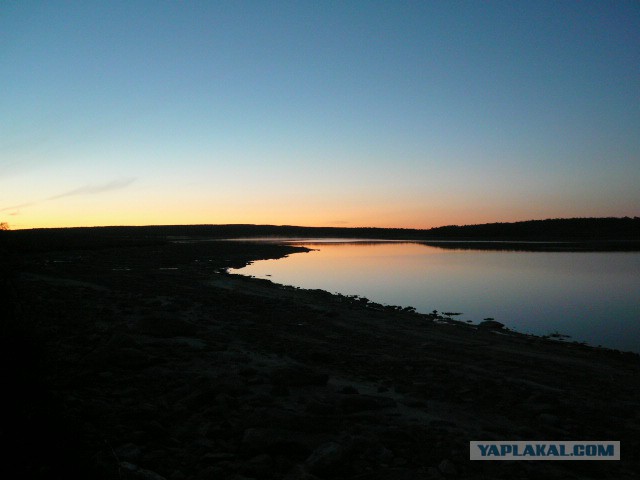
[{"x": 592, "y": 296}]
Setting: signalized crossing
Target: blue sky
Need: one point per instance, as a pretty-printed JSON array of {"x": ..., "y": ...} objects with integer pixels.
[{"x": 408, "y": 114}]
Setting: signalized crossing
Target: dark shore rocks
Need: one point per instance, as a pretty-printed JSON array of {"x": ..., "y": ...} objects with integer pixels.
[
  {"x": 490, "y": 325},
  {"x": 168, "y": 374},
  {"x": 359, "y": 403},
  {"x": 277, "y": 440},
  {"x": 298, "y": 376},
  {"x": 134, "y": 472},
  {"x": 165, "y": 325},
  {"x": 328, "y": 459}
]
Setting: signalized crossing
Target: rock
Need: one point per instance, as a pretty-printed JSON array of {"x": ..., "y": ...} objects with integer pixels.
[
  {"x": 213, "y": 458},
  {"x": 299, "y": 472},
  {"x": 131, "y": 358},
  {"x": 327, "y": 459},
  {"x": 196, "y": 399},
  {"x": 399, "y": 461},
  {"x": 370, "y": 452},
  {"x": 230, "y": 385},
  {"x": 539, "y": 408},
  {"x": 106, "y": 463},
  {"x": 155, "y": 427},
  {"x": 157, "y": 459},
  {"x": 260, "y": 400},
  {"x": 319, "y": 407},
  {"x": 447, "y": 467},
  {"x": 260, "y": 465},
  {"x": 207, "y": 473},
  {"x": 165, "y": 326},
  {"x": 128, "y": 452},
  {"x": 548, "y": 419},
  {"x": 248, "y": 372},
  {"x": 177, "y": 475},
  {"x": 394, "y": 473},
  {"x": 359, "y": 403},
  {"x": 280, "y": 390},
  {"x": 137, "y": 473},
  {"x": 349, "y": 390},
  {"x": 433, "y": 473},
  {"x": 277, "y": 441},
  {"x": 491, "y": 325},
  {"x": 114, "y": 352},
  {"x": 298, "y": 376}
]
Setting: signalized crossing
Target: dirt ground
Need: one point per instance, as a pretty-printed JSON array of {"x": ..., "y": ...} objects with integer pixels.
[{"x": 152, "y": 362}]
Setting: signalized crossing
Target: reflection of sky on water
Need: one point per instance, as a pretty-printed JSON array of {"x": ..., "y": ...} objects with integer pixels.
[{"x": 593, "y": 297}]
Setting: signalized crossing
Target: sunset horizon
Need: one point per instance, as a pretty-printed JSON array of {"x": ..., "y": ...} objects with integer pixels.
[
  {"x": 8, "y": 226},
  {"x": 404, "y": 115}
]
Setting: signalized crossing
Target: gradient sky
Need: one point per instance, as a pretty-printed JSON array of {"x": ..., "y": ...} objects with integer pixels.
[{"x": 361, "y": 113}]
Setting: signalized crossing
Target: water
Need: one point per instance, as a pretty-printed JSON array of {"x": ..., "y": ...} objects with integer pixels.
[{"x": 593, "y": 297}]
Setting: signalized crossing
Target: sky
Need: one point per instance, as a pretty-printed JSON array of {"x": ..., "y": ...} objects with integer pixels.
[{"x": 410, "y": 114}]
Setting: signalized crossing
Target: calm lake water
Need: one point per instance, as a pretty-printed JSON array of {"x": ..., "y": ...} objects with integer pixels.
[{"x": 593, "y": 297}]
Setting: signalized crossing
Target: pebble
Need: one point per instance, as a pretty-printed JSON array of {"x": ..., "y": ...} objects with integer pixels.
[
  {"x": 447, "y": 467},
  {"x": 326, "y": 459}
]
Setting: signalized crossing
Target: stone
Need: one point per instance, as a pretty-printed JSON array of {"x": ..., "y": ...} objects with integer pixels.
[
  {"x": 207, "y": 473},
  {"x": 280, "y": 390},
  {"x": 277, "y": 441},
  {"x": 326, "y": 459},
  {"x": 299, "y": 472},
  {"x": 132, "y": 358},
  {"x": 447, "y": 467},
  {"x": 359, "y": 403},
  {"x": 319, "y": 407},
  {"x": 128, "y": 452},
  {"x": 298, "y": 376},
  {"x": 137, "y": 473},
  {"x": 213, "y": 458},
  {"x": 491, "y": 325},
  {"x": 548, "y": 419},
  {"x": 349, "y": 390},
  {"x": 230, "y": 385},
  {"x": 165, "y": 326},
  {"x": 260, "y": 465}
]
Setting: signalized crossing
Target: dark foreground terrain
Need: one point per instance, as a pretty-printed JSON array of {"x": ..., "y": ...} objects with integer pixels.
[{"x": 149, "y": 361}]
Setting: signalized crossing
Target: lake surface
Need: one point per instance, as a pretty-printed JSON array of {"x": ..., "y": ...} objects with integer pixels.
[{"x": 591, "y": 296}]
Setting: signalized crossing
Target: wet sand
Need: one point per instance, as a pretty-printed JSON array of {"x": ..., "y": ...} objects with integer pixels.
[{"x": 159, "y": 364}]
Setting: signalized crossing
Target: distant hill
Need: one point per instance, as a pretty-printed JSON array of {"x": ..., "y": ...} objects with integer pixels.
[
  {"x": 568, "y": 229},
  {"x": 623, "y": 232}
]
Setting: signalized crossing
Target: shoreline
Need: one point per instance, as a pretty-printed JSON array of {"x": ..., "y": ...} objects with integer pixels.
[
  {"x": 283, "y": 290},
  {"x": 582, "y": 324},
  {"x": 168, "y": 367}
]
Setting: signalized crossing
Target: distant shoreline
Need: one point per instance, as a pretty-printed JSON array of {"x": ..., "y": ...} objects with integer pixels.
[
  {"x": 578, "y": 234},
  {"x": 519, "y": 245}
]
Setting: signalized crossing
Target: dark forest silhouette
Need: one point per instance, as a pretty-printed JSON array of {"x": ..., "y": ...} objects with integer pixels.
[{"x": 600, "y": 233}]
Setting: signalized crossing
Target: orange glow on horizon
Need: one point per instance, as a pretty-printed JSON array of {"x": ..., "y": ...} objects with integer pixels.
[{"x": 133, "y": 208}]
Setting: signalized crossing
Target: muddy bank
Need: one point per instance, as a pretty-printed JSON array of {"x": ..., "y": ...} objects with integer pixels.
[{"x": 157, "y": 364}]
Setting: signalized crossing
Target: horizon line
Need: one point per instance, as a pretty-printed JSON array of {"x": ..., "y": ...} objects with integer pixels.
[{"x": 324, "y": 226}]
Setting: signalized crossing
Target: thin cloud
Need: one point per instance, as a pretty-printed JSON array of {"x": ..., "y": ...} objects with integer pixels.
[
  {"x": 94, "y": 189},
  {"x": 86, "y": 190},
  {"x": 18, "y": 207}
]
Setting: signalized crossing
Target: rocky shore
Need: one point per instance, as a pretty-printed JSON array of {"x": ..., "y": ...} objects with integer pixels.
[{"x": 151, "y": 362}]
